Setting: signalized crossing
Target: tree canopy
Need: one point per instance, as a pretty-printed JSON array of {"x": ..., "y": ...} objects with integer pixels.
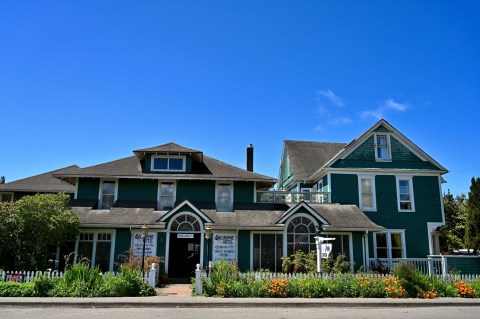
[
  {"x": 453, "y": 233},
  {"x": 32, "y": 227},
  {"x": 472, "y": 231}
]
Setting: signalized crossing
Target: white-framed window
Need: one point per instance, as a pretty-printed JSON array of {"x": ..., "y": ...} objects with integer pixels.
[
  {"x": 166, "y": 195},
  {"x": 163, "y": 163},
  {"x": 98, "y": 247},
  {"x": 405, "y": 195},
  {"x": 382, "y": 147},
  {"x": 367, "y": 197},
  {"x": 224, "y": 197},
  {"x": 390, "y": 244},
  {"x": 267, "y": 251},
  {"x": 301, "y": 232},
  {"x": 108, "y": 194},
  {"x": 6, "y": 197}
]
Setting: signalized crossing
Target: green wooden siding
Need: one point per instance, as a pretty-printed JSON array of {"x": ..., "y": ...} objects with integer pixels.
[
  {"x": 88, "y": 188},
  {"x": 463, "y": 264},
  {"x": 382, "y": 128},
  {"x": 357, "y": 244},
  {"x": 244, "y": 250},
  {"x": 344, "y": 188},
  {"x": 243, "y": 192},
  {"x": 286, "y": 171},
  {"x": 364, "y": 157},
  {"x": 196, "y": 191},
  {"x": 135, "y": 189},
  {"x": 123, "y": 241}
]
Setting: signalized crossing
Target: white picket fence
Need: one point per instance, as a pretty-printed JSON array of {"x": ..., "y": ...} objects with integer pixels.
[{"x": 28, "y": 276}]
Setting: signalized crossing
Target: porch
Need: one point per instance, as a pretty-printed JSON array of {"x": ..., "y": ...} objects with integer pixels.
[{"x": 270, "y": 196}]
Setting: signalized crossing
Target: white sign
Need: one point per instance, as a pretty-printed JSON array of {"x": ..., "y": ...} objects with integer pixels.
[
  {"x": 184, "y": 235},
  {"x": 326, "y": 250},
  {"x": 150, "y": 244},
  {"x": 224, "y": 246}
]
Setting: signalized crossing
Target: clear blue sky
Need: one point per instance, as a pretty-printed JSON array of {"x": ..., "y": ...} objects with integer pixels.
[{"x": 85, "y": 82}]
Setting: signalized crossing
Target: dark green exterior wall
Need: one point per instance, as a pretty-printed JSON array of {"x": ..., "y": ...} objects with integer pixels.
[
  {"x": 364, "y": 157},
  {"x": 196, "y": 191},
  {"x": 244, "y": 250},
  {"x": 243, "y": 192},
  {"x": 135, "y": 189},
  {"x": 344, "y": 188},
  {"x": 357, "y": 244},
  {"x": 123, "y": 241},
  {"x": 463, "y": 264},
  {"x": 88, "y": 188}
]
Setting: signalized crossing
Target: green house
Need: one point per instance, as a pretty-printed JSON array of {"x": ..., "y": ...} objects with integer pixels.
[{"x": 378, "y": 197}]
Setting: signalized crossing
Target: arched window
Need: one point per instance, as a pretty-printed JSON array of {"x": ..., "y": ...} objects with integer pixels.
[
  {"x": 300, "y": 235},
  {"x": 185, "y": 223}
]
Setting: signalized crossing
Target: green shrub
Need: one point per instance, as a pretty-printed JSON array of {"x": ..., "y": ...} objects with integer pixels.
[
  {"x": 442, "y": 287},
  {"x": 412, "y": 281},
  {"x": 43, "y": 284},
  {"x": 476, "y": 286},
  {"x": 222, "y": 271},
  {"x": 15, "y": 289}
]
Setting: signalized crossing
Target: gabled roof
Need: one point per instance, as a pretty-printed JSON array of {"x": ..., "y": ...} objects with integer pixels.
[
  {"x": 169, "y": 149},
  {"x": 307, "y": 157},
  {"x": 130, "y": 167},
  {"x": 42, "y": 183}
]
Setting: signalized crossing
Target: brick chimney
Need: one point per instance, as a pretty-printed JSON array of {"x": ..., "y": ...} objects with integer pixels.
[{"x": 250, "y": 158}]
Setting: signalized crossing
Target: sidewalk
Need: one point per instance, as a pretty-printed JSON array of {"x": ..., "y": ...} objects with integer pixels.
[{"x": 178, "y": 296}]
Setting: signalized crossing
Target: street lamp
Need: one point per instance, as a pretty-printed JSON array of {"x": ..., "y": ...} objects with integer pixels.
[
  {"x": 144, "y": 237},
  {"x": 208, "y": 234}
]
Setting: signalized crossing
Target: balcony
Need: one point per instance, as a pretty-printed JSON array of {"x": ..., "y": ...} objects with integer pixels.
[{"x": 267, "y": 196}]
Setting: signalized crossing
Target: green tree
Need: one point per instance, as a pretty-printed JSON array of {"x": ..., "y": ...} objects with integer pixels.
[
  {"x": 452, "y": 235},
  {"x": 46, "y": 222},
  {"x": 10, "y": 226},
  {"x": 472, "y": 231}
]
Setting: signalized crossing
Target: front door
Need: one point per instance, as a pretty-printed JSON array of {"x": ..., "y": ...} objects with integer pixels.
[{"x": 184, "y": 254}]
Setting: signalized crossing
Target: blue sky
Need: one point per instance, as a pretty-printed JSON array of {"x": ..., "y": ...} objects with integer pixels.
[{"x": 85, "y": 82}]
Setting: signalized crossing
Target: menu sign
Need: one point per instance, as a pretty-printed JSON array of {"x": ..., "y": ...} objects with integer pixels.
[
  {"x": 224, "y": 246},
  {"x": 150, "y": 244}
]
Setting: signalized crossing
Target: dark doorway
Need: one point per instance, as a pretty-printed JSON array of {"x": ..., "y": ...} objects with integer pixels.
[{"x": 184, "y": 254}]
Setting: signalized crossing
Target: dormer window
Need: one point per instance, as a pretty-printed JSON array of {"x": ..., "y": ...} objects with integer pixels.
[
  {"x": 162, "y": 163},
  {"x": 382, "y": 147}
]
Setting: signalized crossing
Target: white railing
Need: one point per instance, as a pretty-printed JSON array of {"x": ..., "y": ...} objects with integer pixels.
[
  {"x": 293, "y": 197},
  {"x": 28, "y": 276},
  {"x": 427, "y": 266}
]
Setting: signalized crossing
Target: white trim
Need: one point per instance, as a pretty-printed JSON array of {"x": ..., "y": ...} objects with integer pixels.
[
  {"x": 382, "y": 171},
  {"x": 374, "y": 193},
  {"x": 76, "y": 188},
  {"x": 291, "y": 211},
  {"x": 389, "y": 147},
  {"x": 254, "y": 192},
  {"x": 430, "y": 228},
  {"x": 180, "y": 206},
  {"x": 285, "y": 232},
  {"x": 184, "y": 163},
  {"x": 7, "y": 193},
  {"x": 441, "y": 198},
  {"x": 389, "y": 233},
  {"x": 408, "y": 178},
  {"x": 159, "y": 193},
  {"x": 100, "y": 192},
  {"x": 217, "y": 185}
]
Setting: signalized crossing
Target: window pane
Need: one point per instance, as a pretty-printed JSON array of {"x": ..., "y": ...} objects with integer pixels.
[
  {"x": 107, "y": 201},
  {"x": 382, "y": 152},
  {"x": 166, "y": 189},
  {"x": 160, "y": 163},
  {"x": 223, "y": 190},
  {"x": 102, "y": 258},
  {"x": 366, "y": 186},
  {"x": 396, "y": 240},
  {"x": 367, "y": 201},
  {"x": 85, "y": 249},
  {"x": 381, "y": 252},
  {"x": 405, "y": 205},
  {"x": 256, "y": 252},
  {"x": 166, "y": 202},
  {"x": 185, "y": 226},
  {"x": 382, "y": 240},
  {"x": 396, "y": 253},
  {"x": 268, "y": 252},
  {"x": 303, "y": 238},
  {"x": 176, "y": 164},
  {"x": 108, "y": 188},
  {"x": 279, "y": 244}
]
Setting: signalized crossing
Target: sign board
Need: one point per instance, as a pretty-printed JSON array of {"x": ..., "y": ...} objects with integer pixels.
[
  {"x": 326, "y": 250},
  {"x": 150, "y": 244},
  {"x": 184, "y": 235},
  {"x": 224, "y": 246},
  {"x": 15, "y": 277}
]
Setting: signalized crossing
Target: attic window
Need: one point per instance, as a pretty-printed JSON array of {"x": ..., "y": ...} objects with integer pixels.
[
  {"x": 168, "y": 164},
  {"x": 382, "y": 147}
]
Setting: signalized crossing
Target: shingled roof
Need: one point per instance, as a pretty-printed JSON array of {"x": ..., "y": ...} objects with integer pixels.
[
  {"x": 307, "y": 157},
  {"x": 130, "y": 167},
  {"x": 169, "y": 149},
  {"x": 42, "y": 183}
]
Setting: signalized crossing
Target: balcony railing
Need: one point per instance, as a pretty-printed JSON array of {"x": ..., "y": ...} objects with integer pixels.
[{"x": 293, "y": 197}]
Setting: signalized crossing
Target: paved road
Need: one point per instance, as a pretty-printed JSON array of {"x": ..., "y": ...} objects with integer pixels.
[{"x": 241, "y": 313}]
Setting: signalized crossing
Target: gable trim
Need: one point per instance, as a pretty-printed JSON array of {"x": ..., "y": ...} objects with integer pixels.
[
  {"x": 294, "y": 209},
  {"x": 180, "y": 206}
]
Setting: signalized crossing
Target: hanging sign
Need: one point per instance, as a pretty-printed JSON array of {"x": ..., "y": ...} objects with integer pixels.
[
  {"x": 326, "y": 250},
  {"x": 150, "y": 244},
  {"x": 185, "y": 236},
  {"x": 224, "y": 246}
]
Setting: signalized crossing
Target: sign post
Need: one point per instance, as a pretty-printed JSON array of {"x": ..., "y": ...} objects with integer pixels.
[{"x": 319, "y": 243}]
